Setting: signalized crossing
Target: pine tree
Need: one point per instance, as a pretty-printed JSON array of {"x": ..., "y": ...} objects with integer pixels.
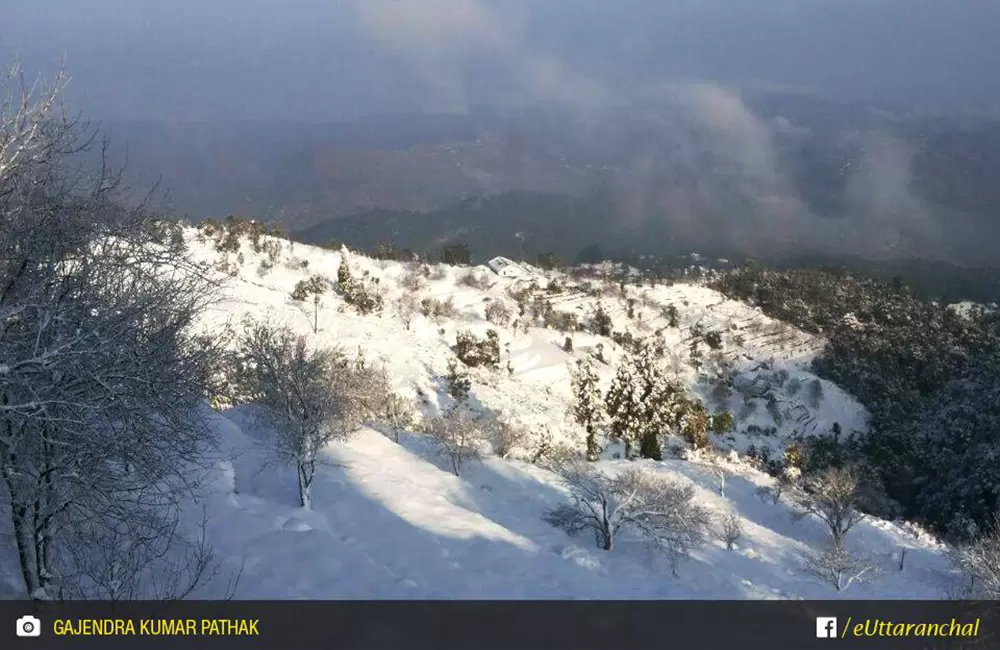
[
  {"x": 458, "y": 382},
  {"x": 344, "y": 276},
  {"x": 643, "y": 403},
  {"x": 588, "y": 411}
]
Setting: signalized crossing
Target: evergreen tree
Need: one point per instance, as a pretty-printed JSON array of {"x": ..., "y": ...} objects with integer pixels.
[
  {"x": 601, "y": 324},
  {"x": 458, "y": 382},
  {"x": 344, "y": 276},
  {"x": 588, "y": 410},
  {"x": 642, "y": 403}
]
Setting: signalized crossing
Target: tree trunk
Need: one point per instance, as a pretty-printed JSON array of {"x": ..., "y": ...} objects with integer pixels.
[
  {"x": 18, "y": 518},
  {"x": 593, "y": 452},
  {"x": 628, "y": 449},
  {"x": 306, "y": 469}
]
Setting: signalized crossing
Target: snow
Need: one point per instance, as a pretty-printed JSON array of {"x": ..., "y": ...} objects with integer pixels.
[{"x": 390, "y": 521}]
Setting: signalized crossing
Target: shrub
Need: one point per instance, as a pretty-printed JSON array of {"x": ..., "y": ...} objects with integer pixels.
[
  {"x": 661, "y": 512},
  {"x": 979, "y": 561},
  {"x": 722, "y": 422},
  {"x": 475, "y": 280},
  {"x": 456, "y": 435},
  {"x": 405, "y": 307},
  {"x": 412, "y": 281},
  {"x": 560, "y": 321},
  {"x": 498, "y": 313},
  {"x": 438, "y": 310},
  {"x": 694, "y": 425},
  {"x": 475, "y": 352},
  {"x": 502, "y": 435}
]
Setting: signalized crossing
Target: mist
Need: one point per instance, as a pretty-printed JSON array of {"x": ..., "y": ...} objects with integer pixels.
[{"x": 677, "y": 68}]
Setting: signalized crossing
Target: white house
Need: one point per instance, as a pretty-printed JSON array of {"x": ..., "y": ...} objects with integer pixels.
[{"x": 507, "y": 268}]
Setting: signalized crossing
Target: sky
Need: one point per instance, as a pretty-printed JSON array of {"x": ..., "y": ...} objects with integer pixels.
[{"x": 318, "y": 60}]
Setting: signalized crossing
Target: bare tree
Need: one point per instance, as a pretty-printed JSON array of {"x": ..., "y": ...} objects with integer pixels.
[
  {"x": 101, "y": 373},
  {"x": 308, "y": 397},
  {"x": 662, "y": 512},
  {"x": 787, "y": 479},
  {"x": 721, "y": 471},
  {"x": 838, "y": 566},
  {"x": 835, "y": 496},
  {"x": 457, "y": 435},
  {"x": 397, "y": 415},
  {"x": 979, "y": 561},
  {"x": 731, "y": 530},
  {"x": 504, "y": 436},
  {"x": 405, "y": 307},
  {"x": 498, "y": 313}
]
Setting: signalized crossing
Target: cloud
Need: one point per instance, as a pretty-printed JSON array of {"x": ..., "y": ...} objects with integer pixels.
[{"x": 692, "y": 159}]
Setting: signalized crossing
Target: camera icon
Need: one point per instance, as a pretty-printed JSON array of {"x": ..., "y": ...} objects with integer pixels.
[{"x": 29, "y": 626}]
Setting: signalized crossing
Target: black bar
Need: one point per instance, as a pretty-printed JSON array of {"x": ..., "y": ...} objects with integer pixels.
[{"x": 510, "y": 625}]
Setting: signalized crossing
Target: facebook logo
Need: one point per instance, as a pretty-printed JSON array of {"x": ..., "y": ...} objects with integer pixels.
[{"x": 826, "y": 627}]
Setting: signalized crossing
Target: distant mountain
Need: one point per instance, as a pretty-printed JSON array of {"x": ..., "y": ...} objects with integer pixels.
[{"x": 793, "y": 174}]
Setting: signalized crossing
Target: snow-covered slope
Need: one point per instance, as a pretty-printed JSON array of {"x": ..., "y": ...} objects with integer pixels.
[{"x": 390, "y": 521}]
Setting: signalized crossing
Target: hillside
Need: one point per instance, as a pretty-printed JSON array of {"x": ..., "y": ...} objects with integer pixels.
[{"x": 391, "y": 521}]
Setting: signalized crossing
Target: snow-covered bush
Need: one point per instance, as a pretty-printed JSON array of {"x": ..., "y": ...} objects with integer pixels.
[
  {"x": 504, "y": 436},
  {"x": 694, "y": 424},
  {"x": 475, "y": 352},
  {"x": 663, "y": 513},
  {"x": 438, "y": 310},
  {"x": 405, "y": 307},
  {"x": 979, "y": 561},
  {"x": 498, "y": 313},
  {"x": 560, "y": 321},
  {"x": 475, "y": 280},
  {"x": 457, "y": 435}
]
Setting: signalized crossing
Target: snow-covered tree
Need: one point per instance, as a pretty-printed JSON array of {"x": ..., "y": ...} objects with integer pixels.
[
  {"x": 838, "y": 566},
  {"x": 308, "y": 397},
  {"x": 498, "y": 313},
  {"x": 502, "y": 434},
  {"x": 979, "y": 560},
  {"x": 600, "y": 322},
  {"x": 313, "y": 288},
  {"x": 694, "y": 421},
  {"x": 457, "y": 434},
  {"x": 101, "y": 376},
  {"x": 663, "y": 513},
  {"x": 836, "y": 497},
  {"x": 457, "y": 382},
  {"x": 731, "y": 529},
  {"x": 643, "y": 403},
  {"x": 588, "y": 405},
  {"x": 344, "y": 275}
]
